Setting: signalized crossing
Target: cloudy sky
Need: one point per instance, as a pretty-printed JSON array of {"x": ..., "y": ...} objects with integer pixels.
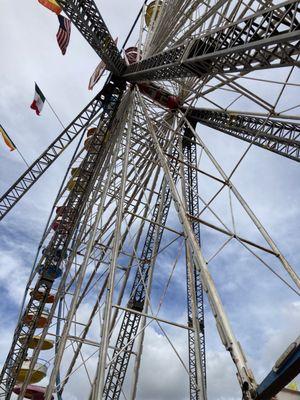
[{"x": 263, "y": 312}]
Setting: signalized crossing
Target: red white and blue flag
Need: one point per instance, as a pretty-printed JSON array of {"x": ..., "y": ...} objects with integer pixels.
[
  {"x": 38, "y": 101},
  {"x": 63, "y": 34}
]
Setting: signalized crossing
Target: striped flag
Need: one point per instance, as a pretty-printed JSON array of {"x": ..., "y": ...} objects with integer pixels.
[
  {"x": 7, "y": 140},
  {"x": 63, "y": 34},
  {"x": 38, "y": 101},
  {"x": 98, "y": 72},
  {"x": 51, "y": 5}
]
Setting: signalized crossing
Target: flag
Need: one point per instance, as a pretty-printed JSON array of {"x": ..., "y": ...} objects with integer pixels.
[
  {"x": 98, "y": 72},
  {"x": 38, "y": 101},
  {"x": 51, "y": 5},
  {"x": 7, "y": 140},
  {"x": 63, "y": 34}
]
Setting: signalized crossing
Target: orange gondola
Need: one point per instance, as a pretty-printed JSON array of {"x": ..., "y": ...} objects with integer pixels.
[
  {"x": 39, "y": 295},
  {"x": 41, "y": 321}
]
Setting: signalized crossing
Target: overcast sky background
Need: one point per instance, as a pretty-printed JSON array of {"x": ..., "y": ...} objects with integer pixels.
[{"x": 264, "y": 313}]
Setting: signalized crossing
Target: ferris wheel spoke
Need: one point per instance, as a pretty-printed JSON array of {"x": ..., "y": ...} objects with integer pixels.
[
  {"x": 195, "y": 307},
  {"x": 244, "y": 46},
  {"x": 130, "y": 324},
  {"x": 277, "y": 136},
  {"x": 96, "y": 305},
  {"x": 97, "y": 390}
]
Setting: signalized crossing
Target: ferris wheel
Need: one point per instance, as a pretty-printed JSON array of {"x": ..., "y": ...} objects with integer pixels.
[{"x": 135, "y": 228}]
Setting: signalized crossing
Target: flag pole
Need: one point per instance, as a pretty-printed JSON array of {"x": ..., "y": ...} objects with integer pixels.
[
  {"x": 21, "y": 155},
  {"x": 57, "y": 117},
  {"x": 52, "y": 109}
]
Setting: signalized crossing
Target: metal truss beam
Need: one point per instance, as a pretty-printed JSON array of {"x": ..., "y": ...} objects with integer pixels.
[
  {"x": 281, "y": 137},
  {"x": 196, "y": 337},
  {"x": 88, "y": 20},
  {"x": 58, "y": 247},
  {"x": 46, "y": 159},
  {"x": 294, "y": 276},
  {"x": 262, "y": 40}
]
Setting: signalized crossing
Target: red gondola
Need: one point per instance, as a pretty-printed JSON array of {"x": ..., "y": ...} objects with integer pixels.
[{"x": 151, "y": 90}]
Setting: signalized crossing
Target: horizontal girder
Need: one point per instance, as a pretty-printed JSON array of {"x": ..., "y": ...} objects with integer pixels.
[
  {"x": 281, "y": 137},
  {"x": 262, "y": 40},
  {"x": 87, "y": 18}
]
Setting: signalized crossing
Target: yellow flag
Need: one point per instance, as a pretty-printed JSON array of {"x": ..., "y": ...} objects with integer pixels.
[
  {"x": 51, "y": 5},
  {"x": 9, "y": 143}
]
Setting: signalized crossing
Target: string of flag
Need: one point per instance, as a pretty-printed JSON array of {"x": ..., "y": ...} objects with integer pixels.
[{"x": 63, "y": 38}]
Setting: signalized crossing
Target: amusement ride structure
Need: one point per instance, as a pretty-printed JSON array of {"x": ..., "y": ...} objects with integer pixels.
[{"x": 107, "y": 258}]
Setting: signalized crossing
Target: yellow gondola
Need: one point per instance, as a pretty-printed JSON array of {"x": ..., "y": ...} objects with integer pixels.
[
  {"x": 151, "y": 8},
  {"x": 75, "y": 172},
  {"x": 35, "y": 340},
  {"x": 39, "y": 372}
]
